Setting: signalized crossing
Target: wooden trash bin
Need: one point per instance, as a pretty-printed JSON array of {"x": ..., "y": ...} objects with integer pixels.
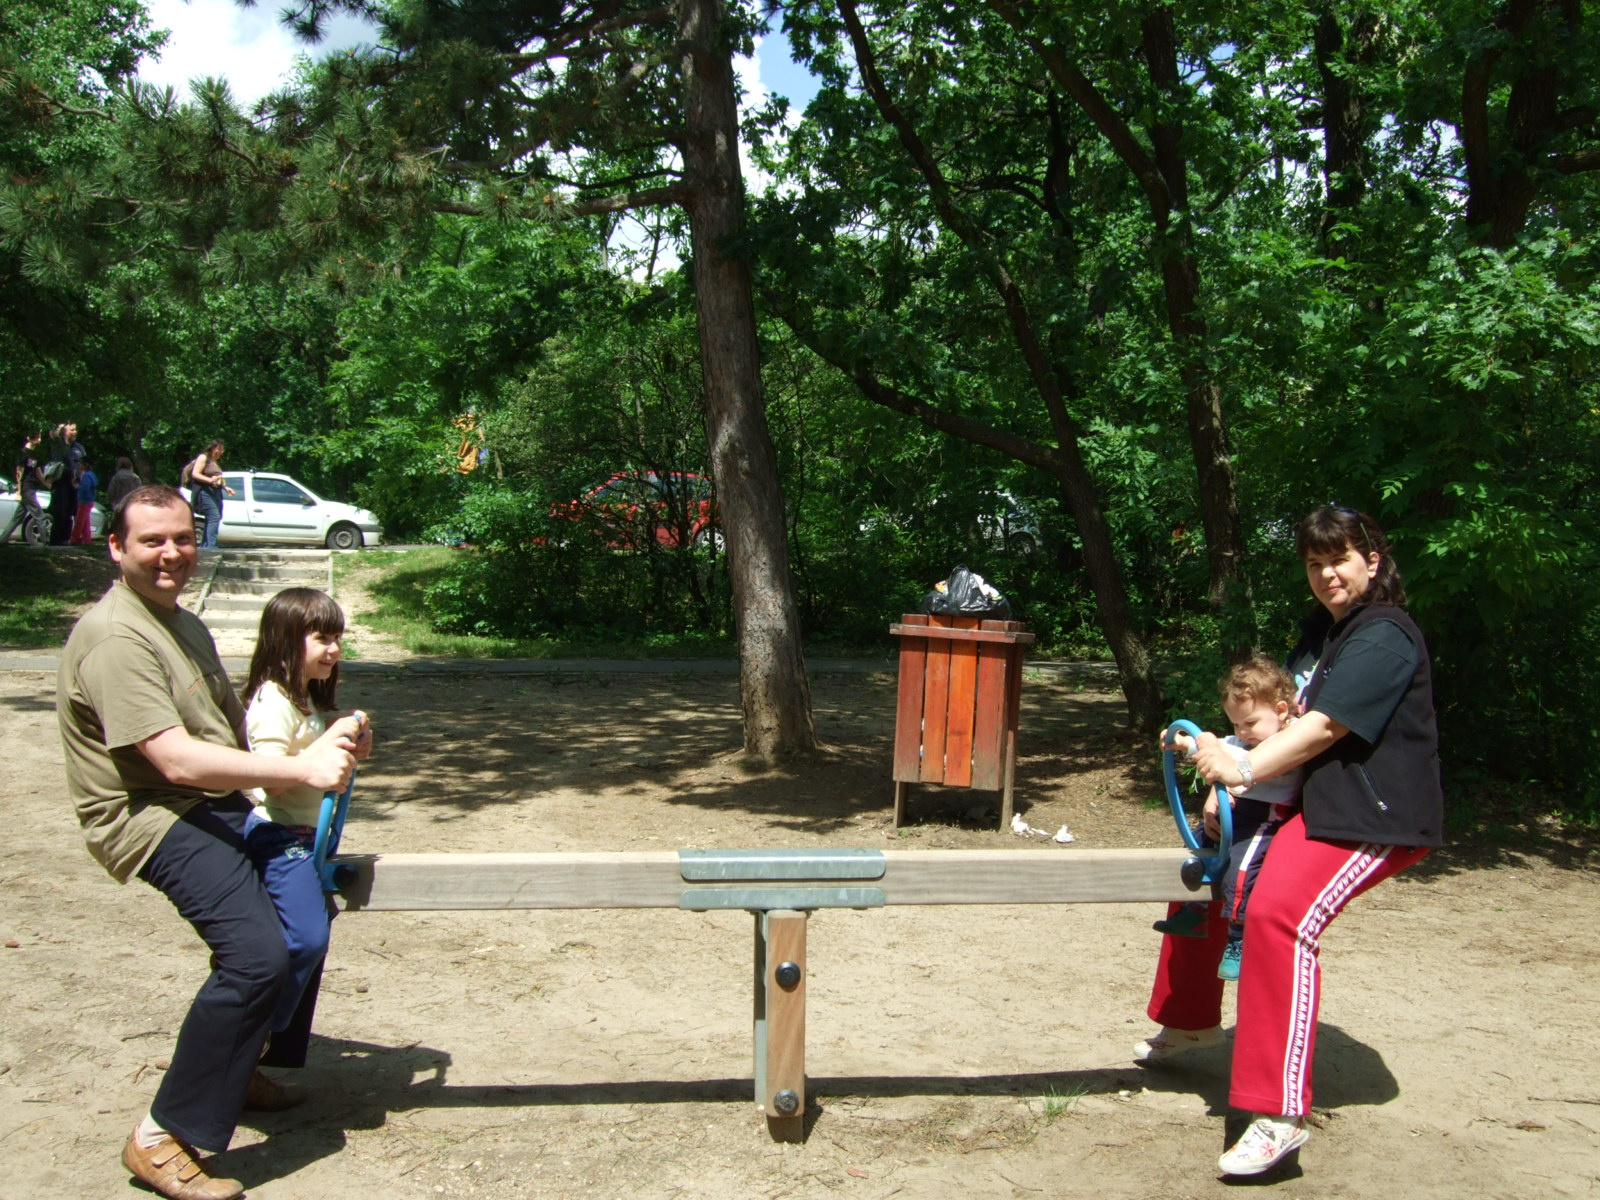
[{"x": 956, "y": 719}]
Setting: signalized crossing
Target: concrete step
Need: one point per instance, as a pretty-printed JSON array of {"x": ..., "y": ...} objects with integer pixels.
[
  {"x": 222, "y": 586},
  {"x": 265, "y": 554},
  {"x": 221, "y": 619},
  {"x": 252, "y": 587},
  {"x": 236, "y": 602},
  {"x": 294, "y": 572}
]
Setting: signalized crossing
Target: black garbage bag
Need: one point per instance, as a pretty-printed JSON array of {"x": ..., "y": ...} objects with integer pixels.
[{"x": 966, "y": 594}]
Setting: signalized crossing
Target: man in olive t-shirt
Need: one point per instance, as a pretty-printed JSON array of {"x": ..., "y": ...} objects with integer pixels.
[{"x": 156, "y": 755}]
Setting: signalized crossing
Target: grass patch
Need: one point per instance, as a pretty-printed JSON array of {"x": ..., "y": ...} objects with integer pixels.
[
  {"x": 1057, "y": 1104},
  {"x": 42, "y": 592}
]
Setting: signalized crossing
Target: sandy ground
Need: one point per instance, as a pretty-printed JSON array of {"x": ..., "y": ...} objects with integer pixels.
[{"x": 952, "y": 1052}]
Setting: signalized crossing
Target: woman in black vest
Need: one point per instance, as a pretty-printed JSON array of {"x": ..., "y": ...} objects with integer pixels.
[{"x": 1372, "y": 807}]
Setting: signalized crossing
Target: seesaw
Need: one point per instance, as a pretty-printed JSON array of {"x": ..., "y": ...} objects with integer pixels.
[{"x": 779, "y": 887}]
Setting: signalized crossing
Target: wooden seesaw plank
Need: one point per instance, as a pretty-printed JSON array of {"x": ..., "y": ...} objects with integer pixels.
[{"x": 653, "y": 879}]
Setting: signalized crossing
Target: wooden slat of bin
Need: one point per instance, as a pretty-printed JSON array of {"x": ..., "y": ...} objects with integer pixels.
[
  {"x": 908, "y": 710},
  {"x": 988, "y": 735},
  {"x": 959, "y": 721},
  {"x": 935, "y": 711}
]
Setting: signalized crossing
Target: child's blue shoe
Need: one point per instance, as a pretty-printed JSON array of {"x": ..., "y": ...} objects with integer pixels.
[
  {"x": 1188, "y": 921},
  {"x": 1232, "y": 956}
]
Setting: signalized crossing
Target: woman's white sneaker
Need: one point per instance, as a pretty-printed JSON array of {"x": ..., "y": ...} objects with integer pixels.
[
  {"x": 1170, "y": 1043},
  {"x": 1264, "y": 1144}
]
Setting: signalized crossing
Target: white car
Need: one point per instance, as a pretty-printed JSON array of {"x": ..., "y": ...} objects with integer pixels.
[{"x": 266, "y": 507}]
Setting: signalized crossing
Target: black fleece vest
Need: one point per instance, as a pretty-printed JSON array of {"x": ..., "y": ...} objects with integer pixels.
[{"x": 1387, "y": 791}]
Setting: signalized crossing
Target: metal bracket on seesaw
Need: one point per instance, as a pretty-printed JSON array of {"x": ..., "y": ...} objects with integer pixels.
[
  {"x": 779, "y": 1030},
  {"x": 1200, "y": 867}
]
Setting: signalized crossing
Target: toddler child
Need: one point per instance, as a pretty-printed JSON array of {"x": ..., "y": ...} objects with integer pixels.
[
  {"x": 83, "y": 514},
  {"x": 1260, "y": 699}
]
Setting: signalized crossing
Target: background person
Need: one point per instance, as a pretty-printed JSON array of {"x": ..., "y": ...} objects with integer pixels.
[
  {"x": 1372, "y": 806},
  {"x": 204, "y": 477},
  {"x": 29, "y": 477},
  {"x": 154, "y": 746},
  {"x": 123, "y": 481},
  {"x": 67, "y": 450},
  {"x": 83, "y": 515}
]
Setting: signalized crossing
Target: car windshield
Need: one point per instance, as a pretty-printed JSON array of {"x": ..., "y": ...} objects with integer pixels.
[{"x": 691, "y": 487}]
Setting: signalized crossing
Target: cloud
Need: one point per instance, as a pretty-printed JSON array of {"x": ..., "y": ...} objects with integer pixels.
[{"x": 247, "y": 47}]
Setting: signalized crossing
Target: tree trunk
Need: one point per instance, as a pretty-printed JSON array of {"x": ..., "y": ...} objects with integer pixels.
[
  {"x": 772, "y": 676},
  {"x": 1507, "y": 168},
  {"x": 1346, "y": 162},
  {"x": 1180, "y": 280}
]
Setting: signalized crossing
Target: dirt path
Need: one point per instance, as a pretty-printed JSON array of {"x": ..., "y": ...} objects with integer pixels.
[{"x": 952, "y": 1052}]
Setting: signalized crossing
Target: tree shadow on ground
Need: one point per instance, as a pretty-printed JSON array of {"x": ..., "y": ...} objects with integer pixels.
[{"x": 444, "y": 745}]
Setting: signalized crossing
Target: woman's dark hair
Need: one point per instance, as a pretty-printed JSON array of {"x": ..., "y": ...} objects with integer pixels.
[
  {"x": 1330, "y": 529},
  {"x": 280, "y": 655},
  {"x": 212, "y": 447}
]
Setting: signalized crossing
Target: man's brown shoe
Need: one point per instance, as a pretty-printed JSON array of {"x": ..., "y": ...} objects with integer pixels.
[
  {"x": 266, "y": 1094},
  {"x": 173, "y": 1169}
]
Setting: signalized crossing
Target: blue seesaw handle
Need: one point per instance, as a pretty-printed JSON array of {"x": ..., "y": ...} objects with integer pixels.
[
  {"x": 330, "y": 826},
  {"x": 1216, "y": 862}
]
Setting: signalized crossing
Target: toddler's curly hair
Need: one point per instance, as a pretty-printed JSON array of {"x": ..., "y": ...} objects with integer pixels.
[{"x": 1258, "y": 679}]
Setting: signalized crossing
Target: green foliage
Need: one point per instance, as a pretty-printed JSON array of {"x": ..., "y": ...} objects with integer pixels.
[
  {"x": 533, "y": 574},
  {"x": 385, "y": 233}
]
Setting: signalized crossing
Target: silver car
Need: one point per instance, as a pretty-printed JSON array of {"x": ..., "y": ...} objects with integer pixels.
[
  {"x": 36, "y": 532},
  {"x": 267, "y": 507}
]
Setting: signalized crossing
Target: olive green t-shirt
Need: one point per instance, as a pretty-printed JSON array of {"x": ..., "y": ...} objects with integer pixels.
[{"x": 130, "y": 670}]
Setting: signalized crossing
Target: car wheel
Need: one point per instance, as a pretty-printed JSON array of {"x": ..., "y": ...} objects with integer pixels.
[
  {"x": 710, "y": 540},
  {"x": 36, "y": 530},
  {"x": 1024, "y": 544},
  {"x": 344, "y": 537}
]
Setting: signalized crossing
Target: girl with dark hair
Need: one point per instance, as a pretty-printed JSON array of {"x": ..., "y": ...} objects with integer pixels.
[
  {"x": 1372, "y": 806},
  {"x": 293, "y": 683}
]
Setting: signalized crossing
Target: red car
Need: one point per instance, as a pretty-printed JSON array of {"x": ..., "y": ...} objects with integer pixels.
[{"x": 632, "y": 508}]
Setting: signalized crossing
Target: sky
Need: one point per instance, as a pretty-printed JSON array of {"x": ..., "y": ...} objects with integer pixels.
[{"x": 252, "y": 50}]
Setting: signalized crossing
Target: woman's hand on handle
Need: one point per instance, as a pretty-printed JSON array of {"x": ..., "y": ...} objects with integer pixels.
[{"x": 1299, "y": 743}]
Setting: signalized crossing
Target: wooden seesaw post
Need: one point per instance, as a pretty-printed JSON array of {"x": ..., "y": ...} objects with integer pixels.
[{"x": 781, "y": 888}]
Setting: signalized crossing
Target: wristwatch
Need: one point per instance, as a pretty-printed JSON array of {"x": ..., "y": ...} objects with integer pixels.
[{"x": 1245, "y": 772}]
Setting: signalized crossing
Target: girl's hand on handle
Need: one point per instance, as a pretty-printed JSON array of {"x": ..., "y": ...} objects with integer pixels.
[
  {"x": 363, "y": 740},
  {"x": 350, "y": 733}
]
